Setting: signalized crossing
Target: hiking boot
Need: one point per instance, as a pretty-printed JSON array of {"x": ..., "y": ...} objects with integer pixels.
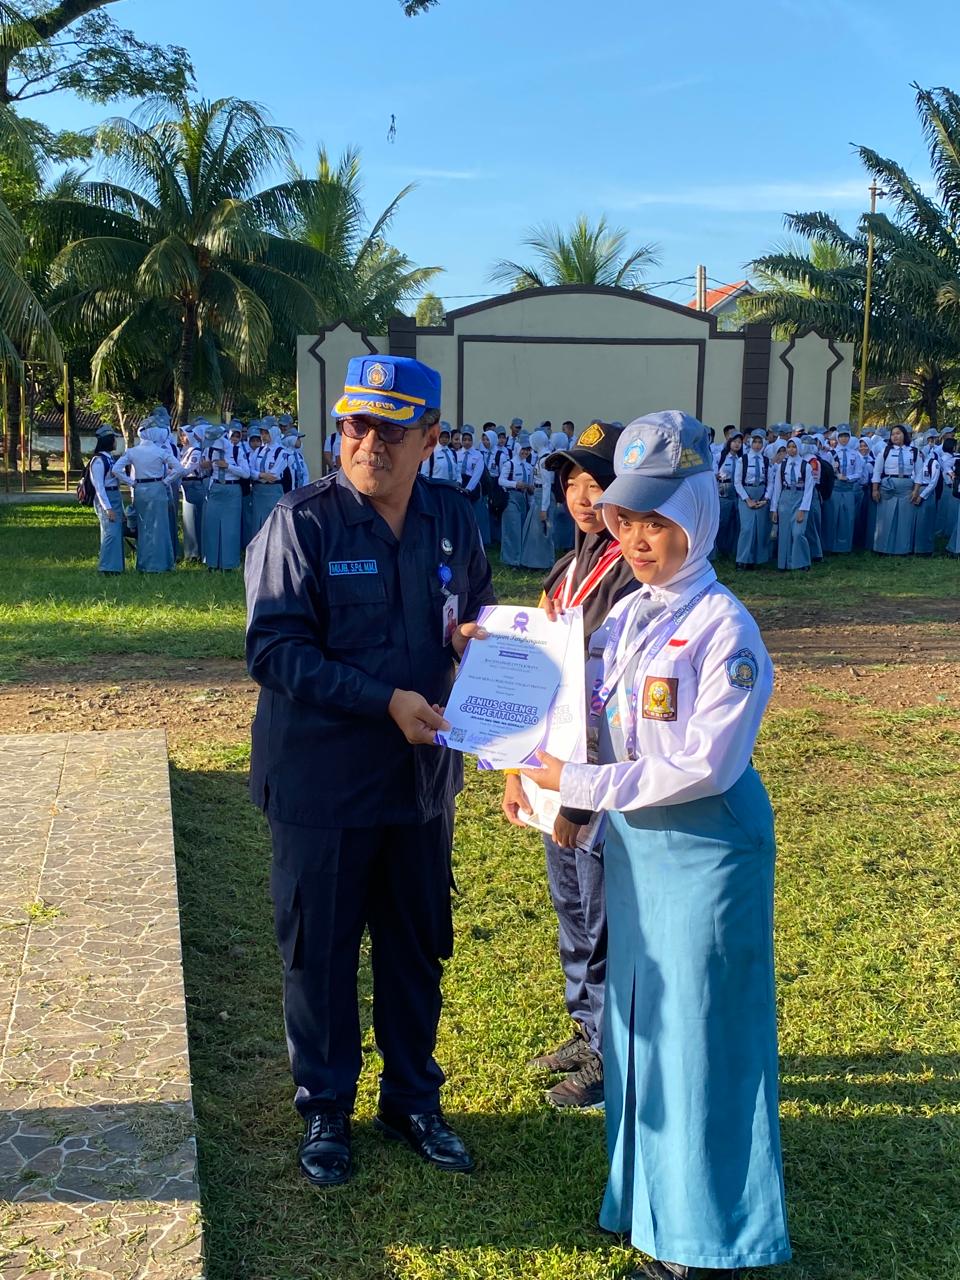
[
  {"x": 584, "y": 1088},
  {"x": 569, "y": 1056}
]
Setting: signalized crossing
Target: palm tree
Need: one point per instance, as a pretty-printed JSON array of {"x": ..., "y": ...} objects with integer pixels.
[
  {"x": 177, "y": 268},
  {"x": 915, "y": 301},
  {"x": 360, "y": 277},
  {"x": 586, "y": 254}
]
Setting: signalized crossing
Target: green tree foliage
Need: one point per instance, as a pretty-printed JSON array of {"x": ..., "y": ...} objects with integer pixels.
[
  {"x": 586, "y": 254},
  {"x": 430, "y": 311},
  {"x": 173, "y": 269},
  {"x": 357, "y": 275},
  {"x": 74, "y": 46},
  {"x": 915, "y": 302}
]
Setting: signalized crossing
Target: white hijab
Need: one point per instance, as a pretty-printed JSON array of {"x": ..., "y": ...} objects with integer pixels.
[{"x": 695, "y": 507}]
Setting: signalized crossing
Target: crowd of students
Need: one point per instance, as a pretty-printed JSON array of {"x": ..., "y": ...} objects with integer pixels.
[
  {"x": 224, "y": 479},
  {"x": 793, "y": 495}
]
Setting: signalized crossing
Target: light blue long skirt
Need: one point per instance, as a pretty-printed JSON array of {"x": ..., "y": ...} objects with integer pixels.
[
  {"x": 953, "y": 545},
  {"x": 248, "y": 519},
  {"x": 793, "y": 548},
  {"x": 753, "y": 545},
  {"x": 828, "y": 524},
  {"x": 111, "y": 535},
  {"x": 870, "y": 518},
  {"x": 536, "y": 549},
  {"x": 924, "y": 528},
  {"x": 154, "y": 544},
  {"x": 221, "y": 527},
  {"x": 844, "y": 502},
  {"x": 946, "y": 511},
  {"x": 481, "y": 513},
  {"x": 511, "y": 527},
  {"x": 690, "y": 1035},
  {"x": 194, "y": 496},
  {"x": 174, "y": 515},
  {"x": 728, "y": 530},
  {"x": 265, "y": 498},
  {"x": 813, "y": 527},
  {"x": 896, "y": 517}
]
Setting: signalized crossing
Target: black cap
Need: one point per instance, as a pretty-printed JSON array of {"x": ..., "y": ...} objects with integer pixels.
[{"x": 593, "y": 450}]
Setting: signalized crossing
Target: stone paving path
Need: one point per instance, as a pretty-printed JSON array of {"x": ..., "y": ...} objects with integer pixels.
[{"x": 97, "y": 1153}]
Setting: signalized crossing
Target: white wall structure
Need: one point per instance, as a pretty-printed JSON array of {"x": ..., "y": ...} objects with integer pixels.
[{"x": 581, "y": 352}]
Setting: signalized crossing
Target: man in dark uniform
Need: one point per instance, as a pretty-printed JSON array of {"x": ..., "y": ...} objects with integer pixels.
[{"x": 362, "y": 590}]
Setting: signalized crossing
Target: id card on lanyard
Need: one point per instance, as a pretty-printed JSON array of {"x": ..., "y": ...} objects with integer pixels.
[{"x": 601, "y": 695}]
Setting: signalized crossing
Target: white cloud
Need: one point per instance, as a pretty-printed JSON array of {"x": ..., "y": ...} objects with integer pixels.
[
  {"x": 749, "y": 197},
  {"x": 447, "y": 175}
]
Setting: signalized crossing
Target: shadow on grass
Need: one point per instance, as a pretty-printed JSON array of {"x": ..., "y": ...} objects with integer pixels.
[{"x": 870, "y": 1141}]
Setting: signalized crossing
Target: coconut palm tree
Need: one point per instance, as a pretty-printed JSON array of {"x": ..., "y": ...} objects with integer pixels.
[
  {"x": 360, "y": 277},
  {"x": 585, "y": 254},
  {"x": 174, "y": 264},
  {"x": 915, "y": 300}
]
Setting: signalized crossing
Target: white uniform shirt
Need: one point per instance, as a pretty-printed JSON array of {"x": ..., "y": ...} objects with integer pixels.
[
  {"x": 470, "y": 464},
  {"x": 756, "y": 465},
  {"x": 900, "y": 460},
  {"x": 441, "y": 465},
  {"x": 725, "y": 468},
  {"x": 146, "y": 461},
  {"x": 697, "y": 705},
  {"x": 103, "y": 479},
  {"x": 791, "y": 474},
  {"x": 850, "y": 464},
  {"x": 237, "y": 467},
  {"x": 514, "y": 472},
  {"x": 927, "y": 473}
]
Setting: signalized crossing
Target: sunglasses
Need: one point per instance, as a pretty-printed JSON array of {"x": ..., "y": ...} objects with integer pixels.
[{"x": 359, "y": 428}]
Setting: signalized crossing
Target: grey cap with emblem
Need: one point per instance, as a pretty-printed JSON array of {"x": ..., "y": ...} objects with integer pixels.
[{"x": 654, "y": 455}]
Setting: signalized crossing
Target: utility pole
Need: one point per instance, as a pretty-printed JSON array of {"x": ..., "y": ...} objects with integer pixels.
[
  {"x": 701, "y": 288},
  {"x": 874, "y": 192}
]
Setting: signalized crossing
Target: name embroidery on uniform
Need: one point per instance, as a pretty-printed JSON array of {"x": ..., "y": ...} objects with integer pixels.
[
  {"x": 660, "y": 698},
  {"x": 346, "y": 568},
  {"x": 742, "y": 669}
]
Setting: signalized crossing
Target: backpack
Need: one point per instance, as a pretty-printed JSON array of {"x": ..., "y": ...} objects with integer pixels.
[
  {"x": 86, "y": 493},
  {"x": 743, "y": 468},
  {"x": 499, "y": 497},
  {"x": 828, "y": 478}
]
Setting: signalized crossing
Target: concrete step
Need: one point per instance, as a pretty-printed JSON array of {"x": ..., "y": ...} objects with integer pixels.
[{"x": 97, "y": 1148}]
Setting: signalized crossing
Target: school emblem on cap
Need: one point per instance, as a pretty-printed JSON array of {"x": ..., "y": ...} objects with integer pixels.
[
  {"x": 691, "y": 458},
  {"x": 376, "y": 376},
  {"x": 660, "y": 698},
  {"x": 742, "y": 669},
  {"x": 593, "y": 435},
  {"x": 633, "y": 454},
  {"x": 446, "y": 546}
]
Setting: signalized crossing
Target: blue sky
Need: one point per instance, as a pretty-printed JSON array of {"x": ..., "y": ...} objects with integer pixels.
[{"x": 694, "y": 125}]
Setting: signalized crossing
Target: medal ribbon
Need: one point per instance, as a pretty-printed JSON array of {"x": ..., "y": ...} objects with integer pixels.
[{"x": 564, "y": 593}]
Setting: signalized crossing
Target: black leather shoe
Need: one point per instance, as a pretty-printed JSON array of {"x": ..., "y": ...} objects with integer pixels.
[
  {"x": 324, "y": 1152},
  {"x": 429, "y": 1135}
]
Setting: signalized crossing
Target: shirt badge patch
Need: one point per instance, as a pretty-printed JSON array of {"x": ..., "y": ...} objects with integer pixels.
[
  {"x": 446, "y": 546},
  {"x": 347, "y": 568},
  {"x": 660, "y": 698},
  {"x": 633, "y": 455},
  {"x": 593, "y": 435},
  {"x": 742, "y": 669}
]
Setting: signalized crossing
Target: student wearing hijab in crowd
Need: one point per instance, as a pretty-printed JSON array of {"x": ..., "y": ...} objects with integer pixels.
[
  {"x": 727, "y": 463},
  {"x": 564, "y": 528},
  {"x": 866, "y": 510},
  {"x": 926, "y": 481},
  {"x": 516, "y": 476},
  {"x": 946, "y": 503},
  {"x": 226, "y": 467},
  {"x": 193, "y": 490},
  {"x": 690, "y": 1034},
  {"x": 493, "y": 495},
  {"x": 248, "y": 515},
  {"x": 808, "y": 452},
  {"x": 272, "y": 475},
  {"x": 147, "y": 467},
  {"x": 893, "y": 474},
  {"x": 536, "y": 547},
  {"x": 847, "y": 488},
  {"x": 753, "y": 481},
  {"x": 442, "y": 463},
  {"x": 107, "y": 501},
  {"x": 790, "y": 499},
  {"x": 472, "y": 466},
  {"x": 828, "y": 463},
  {"x": 594, "y": 576}
]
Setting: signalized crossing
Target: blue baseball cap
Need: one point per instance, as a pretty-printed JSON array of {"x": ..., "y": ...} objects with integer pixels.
[
  {"x": 654, "y": 455},
  {"x": 758, "y": 433},
  {"x": 104, "y": 430},
  {"x": 395, "y": 388}
]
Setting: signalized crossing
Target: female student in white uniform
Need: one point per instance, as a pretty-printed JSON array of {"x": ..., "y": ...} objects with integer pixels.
[
  {"x": 690, "y": 1037},
  {"x": 893, "y": 495}
]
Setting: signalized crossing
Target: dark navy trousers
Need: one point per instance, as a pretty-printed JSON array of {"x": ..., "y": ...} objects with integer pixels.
[
  {"x": 328, "y": 885},
  {"x": 576, "y": 887}
]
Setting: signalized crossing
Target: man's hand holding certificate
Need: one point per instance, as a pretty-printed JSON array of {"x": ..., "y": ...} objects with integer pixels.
[{"x": 512, "y": 684}]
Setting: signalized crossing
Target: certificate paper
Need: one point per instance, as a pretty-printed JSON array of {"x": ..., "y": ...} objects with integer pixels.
[{"x": 508, "y": 687}]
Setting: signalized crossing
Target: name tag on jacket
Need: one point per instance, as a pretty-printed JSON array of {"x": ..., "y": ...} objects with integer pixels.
[{"x": 346, "y": 568}]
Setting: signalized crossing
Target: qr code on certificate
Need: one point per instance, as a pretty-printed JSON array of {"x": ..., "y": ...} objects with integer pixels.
[{"x": 457, "y": 735}]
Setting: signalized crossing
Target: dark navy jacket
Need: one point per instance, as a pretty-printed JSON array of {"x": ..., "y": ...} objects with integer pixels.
[{"x": 339, "y": 614}]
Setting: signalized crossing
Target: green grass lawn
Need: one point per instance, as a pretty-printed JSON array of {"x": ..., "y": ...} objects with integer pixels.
[{"x": 868, "y": 953}]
